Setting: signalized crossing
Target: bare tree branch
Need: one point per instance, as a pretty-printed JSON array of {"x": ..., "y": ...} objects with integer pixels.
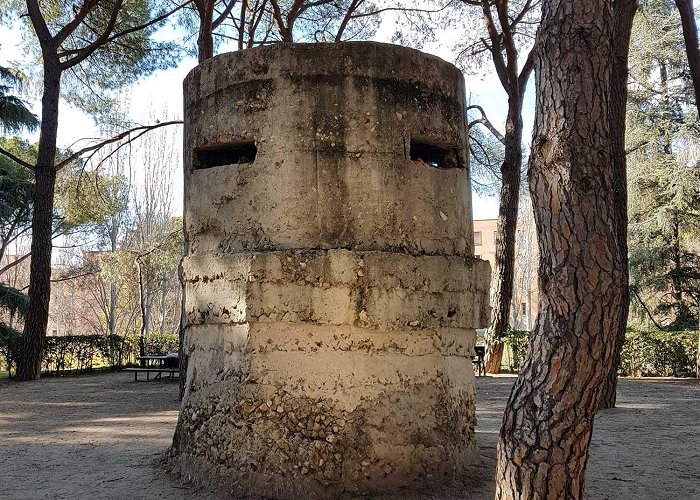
[
  {"x": 485, "y": 122},
  {"x": 12, "y": 157},
  {"x": 116, "y": 138}
]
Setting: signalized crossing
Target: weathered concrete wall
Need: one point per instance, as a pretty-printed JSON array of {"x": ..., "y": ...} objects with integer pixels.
[{"x": 331, "y": 296}]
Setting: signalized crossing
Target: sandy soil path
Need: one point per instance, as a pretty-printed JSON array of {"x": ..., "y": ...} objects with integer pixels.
[
  {"x": 97, "y": 437},
  {"x": 91, "y": 437}
]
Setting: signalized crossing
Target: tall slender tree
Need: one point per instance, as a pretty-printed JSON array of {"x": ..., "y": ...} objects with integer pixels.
[
  {"x": 114, "y": 38},
  {"x": 547, "y": 426},
  {"x": 502, "y": 20},
  {"x": 624, "y": 12}
]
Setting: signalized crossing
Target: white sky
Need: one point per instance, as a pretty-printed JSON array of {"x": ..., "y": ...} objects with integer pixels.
[{"x": 163, "y": 90}]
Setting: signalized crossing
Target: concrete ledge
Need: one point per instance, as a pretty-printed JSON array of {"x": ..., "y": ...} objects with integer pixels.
[{"x": 380, "y": 290}]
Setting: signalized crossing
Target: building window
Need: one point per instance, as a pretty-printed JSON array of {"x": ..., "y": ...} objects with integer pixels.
[
  {"x": 477, "y": 238},
  {"x": 523, "y": 309},
  {"x": 495, "y": 235}
]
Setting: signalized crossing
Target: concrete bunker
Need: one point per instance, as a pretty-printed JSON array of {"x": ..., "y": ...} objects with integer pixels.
[{"x": 331, "y": 294}]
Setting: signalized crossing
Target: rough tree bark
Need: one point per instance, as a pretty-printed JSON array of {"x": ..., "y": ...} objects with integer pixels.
[
  {"x": 205, "y": 38},
  {"x": 690, "y": 37},
  {"x": 29, "y": 363},
  {"x": 624, "y": 12},
  {"x": 543, "y": 445},
  {"x": 209, "y": 21}
]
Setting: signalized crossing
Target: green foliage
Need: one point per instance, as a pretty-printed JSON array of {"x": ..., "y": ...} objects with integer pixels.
[
  {"x": 320, "y": 21},
  {"x": 120, "y": 63},
  {"x": 663, "y": 170},
  {"x": 84, "y": 199},
  {"x": 132, "y": 50},
  {"x": 14, "y": 115},
  {"x": 517, "y": 340},
  {"x": 10, "y": 343},
  {"x": 16, "y": 189},
  {"x": 644, "y": 353},
  {"x": 88, "y": 198},
  {"x": 84, "y": 352},
  {"x": 13, "y": 301},
  {"x": 659, "y": 353},
  {"x": 157, "y": 344}
]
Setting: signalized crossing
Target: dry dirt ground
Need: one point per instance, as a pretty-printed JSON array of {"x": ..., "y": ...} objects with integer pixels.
[{"x": 98, "y": 437}]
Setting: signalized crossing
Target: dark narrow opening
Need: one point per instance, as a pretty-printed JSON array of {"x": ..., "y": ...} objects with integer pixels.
[
  {"x": 224, "y": 154},
  {"x": 434, "y": 155}
]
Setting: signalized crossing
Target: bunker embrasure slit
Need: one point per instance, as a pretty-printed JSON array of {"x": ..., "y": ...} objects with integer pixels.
[
  {"x": 234, "y": 153},
  {"x": 433, "y": 155}
]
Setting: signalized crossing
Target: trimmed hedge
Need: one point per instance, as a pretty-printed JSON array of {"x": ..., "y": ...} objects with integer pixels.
[
  {"x": 83, "y": 353},
  {"x": 659, "y": 354},
  {"x": 644, "y": 354}
]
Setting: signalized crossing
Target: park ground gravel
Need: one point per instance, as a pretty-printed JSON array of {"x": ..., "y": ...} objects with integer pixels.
[{"x": 101, "y": 436}]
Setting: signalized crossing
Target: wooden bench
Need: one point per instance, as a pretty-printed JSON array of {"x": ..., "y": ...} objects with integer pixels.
[
  {"x": 478, "y": 359},
  {"x": 159, "y": 371}
]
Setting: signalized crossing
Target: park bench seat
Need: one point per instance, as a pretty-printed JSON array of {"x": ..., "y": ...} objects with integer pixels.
[{"x": 148, "y": 371}]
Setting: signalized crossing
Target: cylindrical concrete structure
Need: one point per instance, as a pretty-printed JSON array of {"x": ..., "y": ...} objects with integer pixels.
[{"x": 331, "y": 292}]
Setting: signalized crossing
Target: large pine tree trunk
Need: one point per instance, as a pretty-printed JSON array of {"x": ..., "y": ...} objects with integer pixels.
[
  {"x": 690, "y": 37},
  {"x": 505, "y": 233},
  {"x": 543, "y": 445},
  {"x": 624, "y": 11},
  {"x": 29, "y": 365}
]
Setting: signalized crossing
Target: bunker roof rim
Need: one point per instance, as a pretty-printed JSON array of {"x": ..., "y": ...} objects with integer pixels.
[{"x": 301, "y": 45}]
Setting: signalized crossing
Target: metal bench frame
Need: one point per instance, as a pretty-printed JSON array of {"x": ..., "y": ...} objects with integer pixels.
[
  {"x": 159, "y": 371},
  {"x": 478, "y": 360}
]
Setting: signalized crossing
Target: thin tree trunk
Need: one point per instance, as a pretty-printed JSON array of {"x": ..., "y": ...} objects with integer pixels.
[
  {"x": 505, "y": 58},
  {"x": 29, "y": 365},
  {"x": 690, "y": 36},
  {"x": 205, "y": 40},
  {"x": 112, "y": 314},
  {"x": 505, "y": 233},
  {"x": 112, "y": 309},
  {"x": 624, "y": 12},
  {"x": 142, "y": 307},
  {"x": 676, "y": 266},
  {"x": 543, "y": 445},
  {"x": 163, "y": 306}
]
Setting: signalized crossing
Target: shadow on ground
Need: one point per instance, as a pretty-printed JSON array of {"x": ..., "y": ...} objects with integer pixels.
[
  {"x": 86, "y": 437},
  {"x": 97, "y": 437}
]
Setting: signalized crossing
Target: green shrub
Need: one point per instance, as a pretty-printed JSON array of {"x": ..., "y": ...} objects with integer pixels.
[
  {"x": 659, "y": 354},
  {"x": 10, "y": 341},
  {"x": 644, "y": 354},
  {"x": 517, "y": 341},
  {"x": 157, "y": 344},
  {"x": 85, "y": 352}
]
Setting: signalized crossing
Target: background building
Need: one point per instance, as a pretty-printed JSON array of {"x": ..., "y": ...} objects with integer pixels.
[{"x": 525, "y": 292}]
